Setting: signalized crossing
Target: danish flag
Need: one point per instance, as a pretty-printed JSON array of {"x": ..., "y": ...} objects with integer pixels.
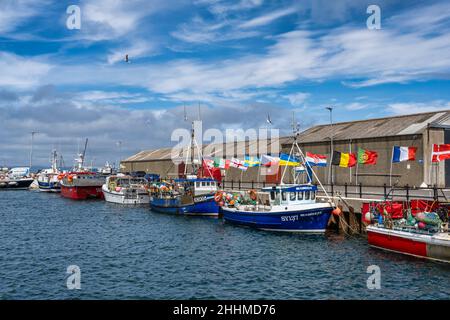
[{"x": 440, "y": 152}]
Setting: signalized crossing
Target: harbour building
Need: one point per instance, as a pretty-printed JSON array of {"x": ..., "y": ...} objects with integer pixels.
[{"x": 419, "y": 131}]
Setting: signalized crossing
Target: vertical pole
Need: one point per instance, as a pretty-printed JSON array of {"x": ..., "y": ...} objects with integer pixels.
[
  {"x": 390, "y": 171},
  {"x": 330, "y": 177}
]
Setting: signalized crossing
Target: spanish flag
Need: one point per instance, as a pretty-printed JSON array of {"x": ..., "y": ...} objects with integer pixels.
[{"x": 345, "y": 160}]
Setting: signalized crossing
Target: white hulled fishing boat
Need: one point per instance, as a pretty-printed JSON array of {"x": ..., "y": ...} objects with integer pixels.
[{"x": 124, "y": 189}]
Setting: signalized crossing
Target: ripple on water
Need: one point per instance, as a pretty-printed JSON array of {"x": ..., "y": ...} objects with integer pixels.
[{"x": 133, "y": 253}]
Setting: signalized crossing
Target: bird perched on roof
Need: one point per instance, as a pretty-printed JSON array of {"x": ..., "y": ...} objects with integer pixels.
[{"x": 269, "y": 121}]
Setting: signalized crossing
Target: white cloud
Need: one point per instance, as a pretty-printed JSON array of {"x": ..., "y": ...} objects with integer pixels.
[
  {"x": 15, "y": 12},
  {"x": 268, "y": 18},
  {"x": 417, "y": 107},
  {"x": 21, "y": 72},
  {"x": 297, "y": 99}
]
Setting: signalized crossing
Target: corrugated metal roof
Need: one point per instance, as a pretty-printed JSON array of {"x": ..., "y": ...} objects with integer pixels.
[
  {"x": 240, "y": 148},
  {"x": 371, "y": 128},
  {"x": 374, "y": 128}
]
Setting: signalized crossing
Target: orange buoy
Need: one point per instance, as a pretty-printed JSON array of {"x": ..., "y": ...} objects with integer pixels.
[
  {"x": 336, "y": 212},
  {"x": 218, "y": 196},
  {"x": 253, "y": 195}
]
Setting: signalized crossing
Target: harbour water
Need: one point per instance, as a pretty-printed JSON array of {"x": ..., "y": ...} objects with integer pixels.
[{"x": 133, "y": 253}]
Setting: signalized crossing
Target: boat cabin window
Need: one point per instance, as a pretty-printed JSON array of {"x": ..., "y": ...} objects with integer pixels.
[
  {"x": 313, "y": 195},
  {"x": 299, "y": 195},
  {"x": 306, "y": 195},
  {"x": 292, "y": 196},
  {"x": 272, "y": 195},
  {"x": 197, "y": 184},
  {"x": 203, "y": 184},
  {"x": 283, "y": 195}
]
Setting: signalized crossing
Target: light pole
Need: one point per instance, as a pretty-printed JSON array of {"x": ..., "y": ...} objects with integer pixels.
[
  {"x": 31, "y": 149},
  {"x": 331, "y": 178},
  {"x": 119, "y": 145}
]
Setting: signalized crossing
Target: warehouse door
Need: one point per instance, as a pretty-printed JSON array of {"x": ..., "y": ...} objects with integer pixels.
[{"x": 447, "y": 162}]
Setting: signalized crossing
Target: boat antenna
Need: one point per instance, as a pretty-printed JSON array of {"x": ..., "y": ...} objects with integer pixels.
[{"x": 199, "y": 114}]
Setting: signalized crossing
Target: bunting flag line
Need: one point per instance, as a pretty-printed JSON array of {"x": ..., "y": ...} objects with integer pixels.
[
  {"x": 291, "y": 161},
  {"x": 344, "y": 160},
  {"x": 367, "y": 156},
  {"x": 268, "y": 161},
  {"x": 440, "y": 152},
  {"x": 239, "y": 164},
  {"x": 400, "y": 154},
  {"x": 252, "y": 161},
  {"x": 316, "y": 159}
]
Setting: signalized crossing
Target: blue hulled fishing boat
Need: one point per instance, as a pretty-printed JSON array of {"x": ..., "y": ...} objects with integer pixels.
[
  {"x": 290, "y": 208},
  {"x": 192, "y": 195},
  {"x": 285, "y": 207},
  {"x": 185, "y": 196}
]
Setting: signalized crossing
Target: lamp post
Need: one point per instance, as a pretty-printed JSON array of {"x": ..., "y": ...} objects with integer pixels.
[
  {"x": 331, "y": 178},
  {"x": 31, "y": 149}
]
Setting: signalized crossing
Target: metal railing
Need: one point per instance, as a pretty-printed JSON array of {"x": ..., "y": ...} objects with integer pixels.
[{"x": 359, "y": 191}]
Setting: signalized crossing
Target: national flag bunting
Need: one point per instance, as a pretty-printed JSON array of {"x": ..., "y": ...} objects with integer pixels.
[
  {"x": 440, "y": 152},
  {"x": 252, "y": 161},
  {"x": 289, "y": 160},
  {"x": 345, "y": 160},
  {"x": 239, "y": 164},
  {"x": 367, "y": 156},
  {"x": 268, "y": 161},
  {"x": 316, "y": 159},
  {"x": 400, "y": 154}
]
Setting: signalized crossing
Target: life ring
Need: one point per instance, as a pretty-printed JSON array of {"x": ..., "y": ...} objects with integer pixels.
[
  {"x": 218, "y": 196},
  {"x": 70, "y": 178},
  {"x": 253, "y": 195}
]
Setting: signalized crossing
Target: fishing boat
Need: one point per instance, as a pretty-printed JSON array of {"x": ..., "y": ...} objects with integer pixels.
[
  {"x": 284, "y": 207},
  {"x": 16, "y": 178},
  {"x": 191, "y": 196},
  {"x": 48, "y": 178},
  {"x": 427, "y": 245},
  {"x": 124, "y": 189},
  {"x": 82, "y": 183},
  {"x": 422, "y": 234}
]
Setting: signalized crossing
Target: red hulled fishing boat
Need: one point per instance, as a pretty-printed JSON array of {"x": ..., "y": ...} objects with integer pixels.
[
  {"x": 411, "y": 231},
  {"x": 80, "y": 183}
]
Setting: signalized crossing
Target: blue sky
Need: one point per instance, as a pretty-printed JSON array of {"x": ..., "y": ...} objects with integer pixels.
[{"x": 240, "y": 59}]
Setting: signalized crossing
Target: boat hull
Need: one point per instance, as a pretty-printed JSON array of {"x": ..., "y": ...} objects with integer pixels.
[
  {"x": 128, "y": 199},
  {"x": 433, "y": 247},
  {"x": 18, "y": 184},
  {"x": 49, "y": 186},
  {"x": 82, "y": 193},
  {"x": 201, "y": 206},
  {"x": 308, "y": 221}
]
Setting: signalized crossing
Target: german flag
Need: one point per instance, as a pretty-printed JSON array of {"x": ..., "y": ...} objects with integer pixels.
[{"x": 344, "y": 160}]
